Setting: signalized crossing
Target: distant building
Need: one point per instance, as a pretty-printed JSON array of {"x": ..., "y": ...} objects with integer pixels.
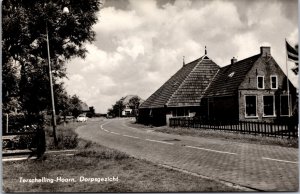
[
  {"x": 253, "y": 89},
  {"x": 129, "y": 107}
]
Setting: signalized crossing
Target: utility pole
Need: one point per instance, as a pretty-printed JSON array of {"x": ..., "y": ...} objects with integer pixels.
[
  {"x": 51, "y": 88},
  {"x": 65, "y": 11}
]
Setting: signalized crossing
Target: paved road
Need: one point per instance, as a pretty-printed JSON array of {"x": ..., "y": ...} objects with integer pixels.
[{"x": 261, "y": 167}]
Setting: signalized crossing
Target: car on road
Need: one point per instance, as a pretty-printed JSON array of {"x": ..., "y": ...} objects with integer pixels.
[{"x": 81, "y": 118}]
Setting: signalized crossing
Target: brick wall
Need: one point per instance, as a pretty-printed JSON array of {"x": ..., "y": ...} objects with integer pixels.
[{"x": 265, "y": 66}]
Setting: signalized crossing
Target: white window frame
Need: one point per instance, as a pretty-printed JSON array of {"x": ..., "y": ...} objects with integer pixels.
[
  {"x": 256, "y": 115},
  {"x": 263, "y": 77},
  {"x": 274, "y": 112},
  {"x": 276, "y": 81},
  {"x": 289, "y": 110}
]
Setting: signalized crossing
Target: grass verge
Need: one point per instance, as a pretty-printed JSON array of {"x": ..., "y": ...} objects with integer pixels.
[
  {"x": 66, "y": 137},
  {"x": 223, "y": 135},
  {"x": 94, "y": 161}
]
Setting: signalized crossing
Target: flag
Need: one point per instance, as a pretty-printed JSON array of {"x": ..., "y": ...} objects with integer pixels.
[
  {"x": 295, "y": 70},
  {"x": 292, "y": 55}
]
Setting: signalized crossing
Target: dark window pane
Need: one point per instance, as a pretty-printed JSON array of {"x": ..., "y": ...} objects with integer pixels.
[
  {"x": 268, "y": 105},
  {"x": 284, "y": 108},
  {"x": 250, "y": 105},
  {"x": 260, "y": 82},
  {"x": 274, "y": 82}
]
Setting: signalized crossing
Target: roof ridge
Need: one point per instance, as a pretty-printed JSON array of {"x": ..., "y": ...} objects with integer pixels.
[
  {"x": 159, "y": 97},
  {"x": 218, "y": 87},
  {"x": 204, "y": 92},
  {"x": 241, "y": 60},
  {"x": 183, "y": 82}
]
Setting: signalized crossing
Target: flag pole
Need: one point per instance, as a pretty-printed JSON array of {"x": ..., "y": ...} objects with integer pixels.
[{"x": 287, "y": 76}]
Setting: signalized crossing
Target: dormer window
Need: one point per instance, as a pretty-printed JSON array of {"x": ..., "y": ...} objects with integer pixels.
[
  {"x": 274, "y": 82},
  {"x": 231, "y": 74},
  {"x": 260, "y": 82}
]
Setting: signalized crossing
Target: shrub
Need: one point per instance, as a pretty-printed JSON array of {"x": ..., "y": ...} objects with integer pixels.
[
  {"x": 103, "y": 153},
  {"x": 23, "y": 141},
  {"x": 66, "y": 138}
]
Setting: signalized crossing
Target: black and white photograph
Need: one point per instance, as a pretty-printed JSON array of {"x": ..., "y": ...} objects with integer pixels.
[{"x": 118, "y": 96}]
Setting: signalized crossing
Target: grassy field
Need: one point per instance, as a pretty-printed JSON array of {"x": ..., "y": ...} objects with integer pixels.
[
  {"x": 66, "y": 137},
  {"x": 229, "y": 136},
  {"x": 95, "y": 161}
]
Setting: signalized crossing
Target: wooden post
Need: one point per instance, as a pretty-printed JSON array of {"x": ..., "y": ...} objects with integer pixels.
[
  {"x": 6, "y": 129},
  {"x": 271, "y": 128}
]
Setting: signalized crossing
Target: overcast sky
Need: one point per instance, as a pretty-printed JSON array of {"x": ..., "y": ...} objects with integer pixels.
[{"x": 140, "y": 43}]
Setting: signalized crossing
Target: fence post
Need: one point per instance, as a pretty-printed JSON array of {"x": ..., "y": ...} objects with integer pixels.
[
  {"x": 248, "y": 127},
  {"x": 271, "y": 128},
  {"x": 294, "y": 127},
  {"x": 240, "y": 126},
  {"x": 6, "y": 128},
  {"x": 289, "y": 133},
  {"x": 281, "y": 132}
]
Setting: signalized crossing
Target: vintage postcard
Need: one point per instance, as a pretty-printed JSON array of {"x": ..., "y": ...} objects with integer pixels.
[{"x": 150, "y": 96}]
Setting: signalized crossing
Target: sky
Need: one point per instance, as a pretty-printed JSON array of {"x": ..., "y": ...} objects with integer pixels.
[{"x": 140, "y": 44}]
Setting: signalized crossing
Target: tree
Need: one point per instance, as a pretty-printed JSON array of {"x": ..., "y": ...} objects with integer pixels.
[
  {"x": 63, "y": 102},
  {"x": 25, "y": 22},
  {"x": 134, "y": 104},
  {"x": 10, "y": 88},
  {"x": 116, "y": 109},
  {"x": 75, "y": 107},
  {"x": 91, "y": 112},
  {"x": 24, "y": 41},
  {"x": 34, "y": 30}
]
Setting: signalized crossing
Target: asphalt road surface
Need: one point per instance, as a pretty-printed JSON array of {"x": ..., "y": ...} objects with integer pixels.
[{"x": 258, "y": 167}]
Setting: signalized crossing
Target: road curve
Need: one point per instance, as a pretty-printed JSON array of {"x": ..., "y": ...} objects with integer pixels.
[{"x": 259, "y": 167}]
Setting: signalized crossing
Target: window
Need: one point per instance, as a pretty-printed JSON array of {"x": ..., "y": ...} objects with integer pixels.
[
  {"x": 260, "y": 82},
  {"x": 231, "y": 74},
  {"x": 274, "y": 83},
  {"x": 250, "y": 102},
  {"x": 284, "y": 105},
  {"x": 269, "y": 109}
]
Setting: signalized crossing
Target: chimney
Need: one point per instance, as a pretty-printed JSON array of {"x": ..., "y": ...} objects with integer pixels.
[
  {"x": 233, "y": 60},
  {"x": 265, "y": 51}
]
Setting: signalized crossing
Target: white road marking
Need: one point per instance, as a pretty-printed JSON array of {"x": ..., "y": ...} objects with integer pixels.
[
  {"x": 134, "y": 136},
  {"x": 211, "y": 150},
  {"x": 131, "y": 136},
  {"x": 286, "y": 161},
  {"x": 101, "y": 126},
  {"x": 159, "y": 141},
  {"x": 114, "y": 133}
]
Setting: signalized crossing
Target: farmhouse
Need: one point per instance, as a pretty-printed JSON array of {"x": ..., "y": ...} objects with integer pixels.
[
  {"x": 253, "y": 89},
  {"x": 128, "y": 104}
]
